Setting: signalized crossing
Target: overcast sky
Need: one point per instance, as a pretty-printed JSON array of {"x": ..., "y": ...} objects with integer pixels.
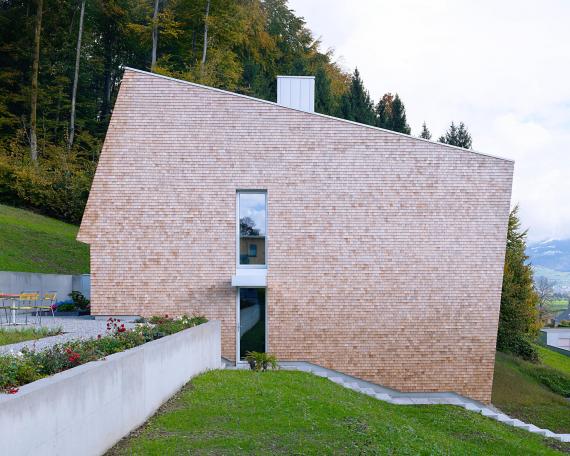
[{"x": 502, "y": 67}]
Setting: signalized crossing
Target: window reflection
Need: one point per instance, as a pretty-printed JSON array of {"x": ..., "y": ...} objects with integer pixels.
[
  {"x": 252, "y": 320},
  {"x": 252, "y": 228}
]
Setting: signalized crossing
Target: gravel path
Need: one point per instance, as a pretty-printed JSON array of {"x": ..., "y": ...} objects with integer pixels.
[{"x": 73, "y": 328}]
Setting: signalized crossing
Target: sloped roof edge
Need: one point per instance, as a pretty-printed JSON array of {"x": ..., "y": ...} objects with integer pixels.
[{"x": 136, "y": 70}]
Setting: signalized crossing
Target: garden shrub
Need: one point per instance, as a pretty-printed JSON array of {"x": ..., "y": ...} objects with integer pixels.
[
  {"x": 260, "y": 361},
  {"x": 79, "y": 301},
  {"x": 555, "y": 380},
  {"x": 521, "y": 345},
  {"x": 30, "y": 365},
  {"x": 66, "y": 307},
  {"x": 49, "y": 188}
]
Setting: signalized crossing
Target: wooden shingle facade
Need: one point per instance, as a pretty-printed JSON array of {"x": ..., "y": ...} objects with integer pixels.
[{"x": 384, "y": 252}]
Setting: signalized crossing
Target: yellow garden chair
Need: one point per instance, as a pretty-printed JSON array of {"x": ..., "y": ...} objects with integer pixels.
[
  {"x": 48, "y": 305},
  {"x": 26, "y": 302}
]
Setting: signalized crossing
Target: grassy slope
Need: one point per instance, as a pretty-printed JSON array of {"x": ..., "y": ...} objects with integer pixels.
[
  {"x": 554, "y": 359},
  {"x": 521, "y": 396},
  {"x": 33, "y": 243},
  {"x": 241, "y": 412},
  {"x": 557, "y": 305}
]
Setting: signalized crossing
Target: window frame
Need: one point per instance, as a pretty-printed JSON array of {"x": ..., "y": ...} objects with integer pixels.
[{"x": 238, "y": 238}]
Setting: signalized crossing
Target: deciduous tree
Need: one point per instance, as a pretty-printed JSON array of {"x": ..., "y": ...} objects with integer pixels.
[
  {"x": 35, "y": 71},
  {"x": 76, "y": 78},
  {"x": 545, "y": 291}
]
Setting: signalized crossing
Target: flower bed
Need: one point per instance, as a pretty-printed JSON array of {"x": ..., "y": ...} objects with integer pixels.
[{"x": 28, "y": 365}]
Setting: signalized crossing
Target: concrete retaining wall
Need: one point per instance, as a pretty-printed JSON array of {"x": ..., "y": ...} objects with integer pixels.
[
  {"x": 86, "y": 410},
  {"x": 63, "y": 284}
]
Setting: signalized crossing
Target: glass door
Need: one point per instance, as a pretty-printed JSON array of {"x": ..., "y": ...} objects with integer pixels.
[{"x": 252, "y": 330}]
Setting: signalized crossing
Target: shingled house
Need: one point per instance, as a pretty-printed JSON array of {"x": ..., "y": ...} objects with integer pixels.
[{"x": 314, "y": 238}]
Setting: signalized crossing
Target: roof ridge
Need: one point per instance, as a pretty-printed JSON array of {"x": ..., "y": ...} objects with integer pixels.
[{"x": 181, "y": 81}]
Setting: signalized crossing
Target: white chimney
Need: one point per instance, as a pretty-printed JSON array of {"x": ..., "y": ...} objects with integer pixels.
[{"x": 296, "y": 92}]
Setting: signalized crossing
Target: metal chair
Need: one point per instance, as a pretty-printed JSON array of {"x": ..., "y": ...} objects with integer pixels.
[
  {"x": 27, "y": 302},
  {"x": 10, "y": 308},
  {"x": 3, "y": 304},
  {"x": 48, "y": 306}
]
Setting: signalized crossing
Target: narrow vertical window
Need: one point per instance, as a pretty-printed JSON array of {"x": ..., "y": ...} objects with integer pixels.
[{"x": 252, "y": 209}]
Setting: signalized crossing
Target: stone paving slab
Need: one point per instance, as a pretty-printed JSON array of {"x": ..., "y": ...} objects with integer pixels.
[
  {"x": 73, "y": 328},
  {"x": 396, "y": 397}
]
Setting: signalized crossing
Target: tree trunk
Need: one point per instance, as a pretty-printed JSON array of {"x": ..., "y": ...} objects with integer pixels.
[
  {"x": 205, "y": 36},
  {"x": 107, "y": 69},
  {"x": 35, "y": 70},
  {"x": 76, "y": 78},
  {"x": 154, "y": 35}
]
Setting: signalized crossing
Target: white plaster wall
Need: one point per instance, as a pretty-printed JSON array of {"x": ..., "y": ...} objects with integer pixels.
[
  {"x": 554, "y": 334},
  {"x": 62, "y": 284},
  {"x": 86, "y": 410}
]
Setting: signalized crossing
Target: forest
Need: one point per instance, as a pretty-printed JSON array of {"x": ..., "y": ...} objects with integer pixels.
[{"x": 62, "y": 62}]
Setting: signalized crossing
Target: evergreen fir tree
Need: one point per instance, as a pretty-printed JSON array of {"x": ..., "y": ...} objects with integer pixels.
[
  {"x": 323, "y": 96},
  {"x": 391, "y": 114},
  {"x": 518, "y": 320},
  {"x": 463, "y": 137},
  {"x": 399, "y": 122},
  {"x": 457, "y": 136},
  {"x": 384, "y": 112},
  {"x": 425, "y": 134},
  {"x": 356, "y": 104}
]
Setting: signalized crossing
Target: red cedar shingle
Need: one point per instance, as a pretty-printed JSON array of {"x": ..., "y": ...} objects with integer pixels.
[{"x": 385, "y": 252}]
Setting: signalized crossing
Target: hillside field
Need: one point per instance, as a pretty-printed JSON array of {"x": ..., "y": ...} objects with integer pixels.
[{"x": 34, "y": 243}]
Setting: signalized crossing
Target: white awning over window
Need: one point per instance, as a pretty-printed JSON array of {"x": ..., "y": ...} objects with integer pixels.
[{"x": 250, "y": 278}]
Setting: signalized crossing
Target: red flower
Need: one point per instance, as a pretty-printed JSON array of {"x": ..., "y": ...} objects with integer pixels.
[
  {"x": 121, "y": 329},
  {"x": 13, "y": 390},
  {"x": 72, "y": 356}
]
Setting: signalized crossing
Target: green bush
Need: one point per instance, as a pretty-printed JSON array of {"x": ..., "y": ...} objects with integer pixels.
[
  {"x": 52, "y": 189},
  {"x": 520, "y": 345},
  {"x": 555, "y": 380},
  {"x": 66, "y": 307},
  {"x": 79, "y": 301},
  {"x": 15, "y": 371},
  {"x": 30, "y": 365},
  {"x": 260, "y": 361}
]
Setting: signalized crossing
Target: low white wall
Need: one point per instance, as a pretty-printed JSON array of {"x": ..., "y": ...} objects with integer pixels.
[
  {"x": 87, "y": 409},
  {"x": 62, "y": 284},
  {"x": 557, "y": 337}
]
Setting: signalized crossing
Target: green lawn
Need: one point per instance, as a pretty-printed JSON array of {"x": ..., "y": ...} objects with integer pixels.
[
  {"x": 520, "y": 395},
  {"x": 33, "y": 243},
  {"x": 15, "y": 335},
  {"x": 554, "y": 359},
  {"x": 241, "y": 412}
]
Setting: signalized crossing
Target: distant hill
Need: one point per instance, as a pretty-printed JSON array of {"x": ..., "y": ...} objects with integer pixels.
[
  {"x": 551, "y": 259},
  {"x": 552, "y": 254},
  {"x": 33, "y": 243}
]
